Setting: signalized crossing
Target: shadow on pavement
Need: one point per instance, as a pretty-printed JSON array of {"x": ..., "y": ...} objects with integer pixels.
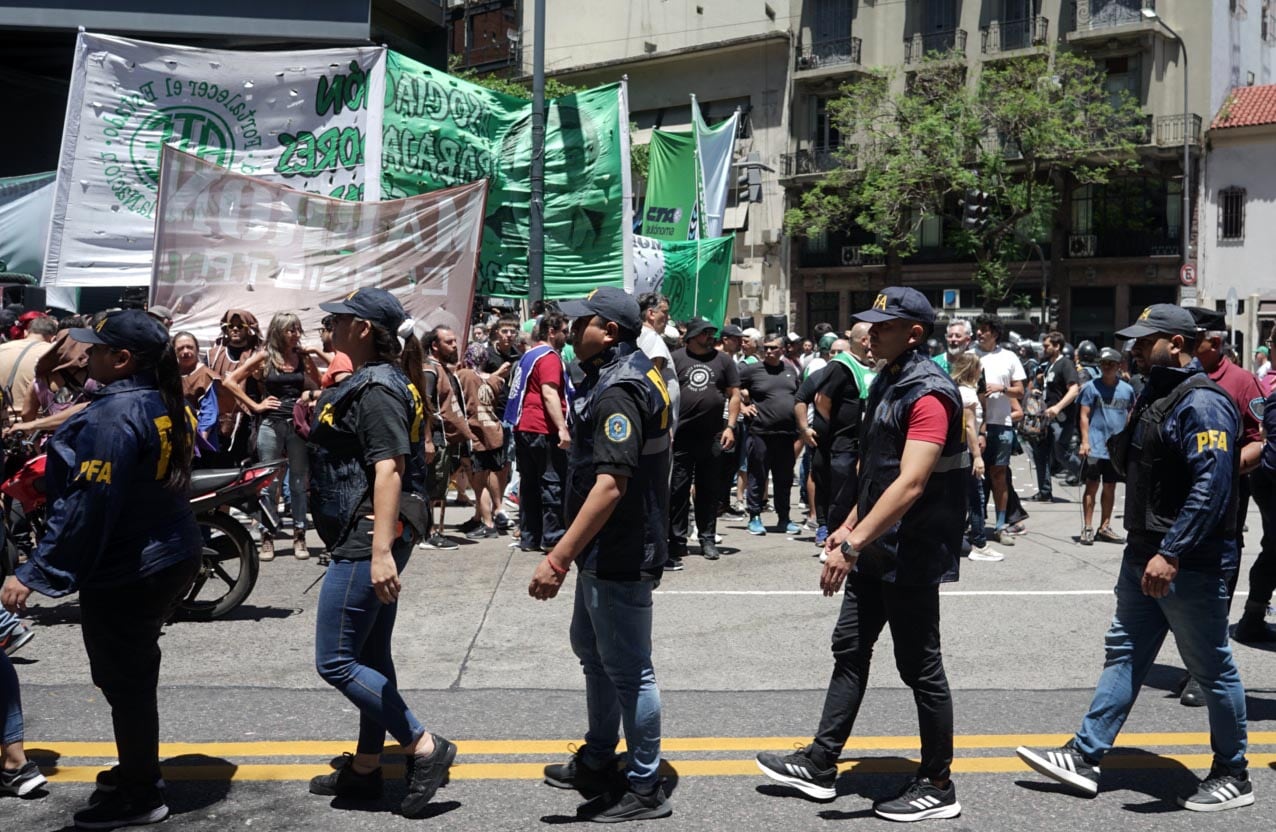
[
  {"x": 669, "y": 779},
  {"x": 1259, "y": 709},
  {"x": 196, "y": 781},
  {"x": 1131, "y": 769}
]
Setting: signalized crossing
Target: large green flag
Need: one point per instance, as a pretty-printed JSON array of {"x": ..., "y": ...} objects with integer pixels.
[
  {"x": 441, "y": 131},
  {"x": 693, "y": 273},
  {"x": 670, "y": 213}
]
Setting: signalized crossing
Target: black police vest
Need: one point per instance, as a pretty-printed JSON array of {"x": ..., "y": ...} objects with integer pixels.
[
  {"x": 619, "y": 552},
  {"x": 1157, "y": 475},
  {"x": 339, "y": 481},
  {"x": 924, "y": 547}
]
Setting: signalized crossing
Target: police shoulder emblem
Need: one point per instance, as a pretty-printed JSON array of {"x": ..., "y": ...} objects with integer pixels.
[
  {"x": 618, "y": 427},
  {"x": 1257, "y": 407}
]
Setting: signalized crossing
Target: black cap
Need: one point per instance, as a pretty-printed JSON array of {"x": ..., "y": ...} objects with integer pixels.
[
  {"x": 695, "y": 326},
  {"x": 1208, "y": 319},
  {"x": 608, "y": 303},
  {"x": 125, "y": 329},
  {"x": 1161, "y": 319},
  {"x": 374, "y": 305},
  {"x": 899, "y": 302},
  {"x": 732, "y": 331}
]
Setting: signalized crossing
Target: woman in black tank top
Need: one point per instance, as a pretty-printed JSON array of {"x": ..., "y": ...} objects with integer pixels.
[{"x": 287, "y": 375}]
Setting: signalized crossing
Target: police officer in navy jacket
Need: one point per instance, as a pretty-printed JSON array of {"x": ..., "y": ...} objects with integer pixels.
[
  {"x": 901, "y": 541},
  {"x": 121, "y": 532},
  {"x": 1179, "y": 452}
]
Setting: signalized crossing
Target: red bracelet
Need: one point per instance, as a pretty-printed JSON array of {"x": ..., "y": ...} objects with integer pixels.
[{"x": 559, "y": 572}]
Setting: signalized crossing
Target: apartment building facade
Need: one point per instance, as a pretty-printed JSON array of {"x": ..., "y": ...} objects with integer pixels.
[{"x": 1115, "y": 248}]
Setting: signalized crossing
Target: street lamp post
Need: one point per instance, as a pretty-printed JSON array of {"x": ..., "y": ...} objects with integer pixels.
[{"x": 1151, "y": 14}]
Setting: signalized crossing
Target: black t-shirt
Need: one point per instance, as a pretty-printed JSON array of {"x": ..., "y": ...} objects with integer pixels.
[
  {"x": 374, "y": 427},
  {"x": 773, "y": 390},
  {"x": 1060, "y": 375},
  {"x": 837, "y": 383},
  {"x": 703, "y": 381},
  {"x": 618, "y": 437},
  {"x": 806, "y": 395},
  {"x": 495, "y": 358}
]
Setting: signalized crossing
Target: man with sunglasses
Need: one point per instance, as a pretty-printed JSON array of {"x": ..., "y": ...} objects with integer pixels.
[{"x": 769, "y": 389}]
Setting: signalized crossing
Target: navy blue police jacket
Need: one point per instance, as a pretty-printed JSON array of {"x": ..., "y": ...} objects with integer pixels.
[
  {"x": 111, "y": 521},
  {"x": 1181, "y": 470}
]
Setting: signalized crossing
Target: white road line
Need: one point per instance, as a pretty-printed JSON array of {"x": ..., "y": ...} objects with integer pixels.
[{"x": 960, "y": 593}]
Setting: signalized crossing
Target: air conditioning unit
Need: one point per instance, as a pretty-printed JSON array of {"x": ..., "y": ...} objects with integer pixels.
[
  {"x": 852, "y": 256},
  {"x": 805, "y": 62},
  {"x": 1082, "y": 245},
  {"x": 770, "y": 236}
]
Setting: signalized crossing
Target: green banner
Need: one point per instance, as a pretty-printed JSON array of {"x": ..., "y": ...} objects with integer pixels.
[
  {"x": 670, "y": 210},
  {"x": 441, "y": 131},
  {"x": 693, "y": 273}
]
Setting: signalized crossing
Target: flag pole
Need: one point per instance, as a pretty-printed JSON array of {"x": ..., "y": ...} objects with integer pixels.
[{"x": 536, "y": 218}]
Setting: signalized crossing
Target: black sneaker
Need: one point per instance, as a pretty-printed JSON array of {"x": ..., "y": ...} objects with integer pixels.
[
  {"x": 13, "y": 640},
  {"x": 482, "y": 532},
  {"x": 635, "y": 805},
  {"x": 1192, "y": 695},
  {"x": 346, "y": 782},
  {"x": 799, "y": 771},
  {"x": 1252, "y": 629},
  {"x": 575, "y": 774},
  {"x": 709, "y": 550},
  {"x": 120, "y": 808},
  {"x": 21, "y": 781},
  {"x": 425, "y": 775},
  {"x": 920, "y": 800},
  {"x": 674, "y": 565},
  {"x": 1066, "y": 765},
  {"x": 441, "y": 543},
  {"x": 109, "y": 781},
  {"x": 502, "y": 521},
  {"x": 469, "y": 525},
  {"x": 1220, "y": 791}
]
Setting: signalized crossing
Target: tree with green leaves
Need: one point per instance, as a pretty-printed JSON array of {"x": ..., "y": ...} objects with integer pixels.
[{"x": 1031, "y": 124}]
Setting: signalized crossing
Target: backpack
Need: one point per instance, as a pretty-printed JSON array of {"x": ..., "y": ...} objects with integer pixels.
[{"x": 1033, "y": 426}]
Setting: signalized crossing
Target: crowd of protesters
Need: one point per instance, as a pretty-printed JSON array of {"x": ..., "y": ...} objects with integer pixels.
[{"x": 682, "y": 423}]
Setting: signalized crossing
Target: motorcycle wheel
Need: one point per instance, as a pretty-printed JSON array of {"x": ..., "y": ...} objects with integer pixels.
[{"x": 228, "y": 570}]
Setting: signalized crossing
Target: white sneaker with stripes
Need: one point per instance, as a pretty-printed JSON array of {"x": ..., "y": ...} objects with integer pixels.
[
  {"x": 1220, "y": 791},
  {"x": 1066, "y": 765}
]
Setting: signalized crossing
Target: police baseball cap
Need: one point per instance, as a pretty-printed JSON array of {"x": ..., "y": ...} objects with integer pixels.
[
  {"x": 899, "y": 302},
  {"x": 373, "y": 305},
  {"x": 608, "y": 303},
  {"x": 732, "y": 331},
  {"x": 1161, "y": 319},
  {"x": 1107, "y": 354},
  {"x": 1209, "y": 320},
  {"x": 125, "y": 329},
  {"x": 696, "y": 326}
]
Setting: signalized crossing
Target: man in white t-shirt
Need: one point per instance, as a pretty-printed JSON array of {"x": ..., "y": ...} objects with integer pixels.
[
  {"x": 655, "y": 317},
  {"x": 1003, "y": 381}
]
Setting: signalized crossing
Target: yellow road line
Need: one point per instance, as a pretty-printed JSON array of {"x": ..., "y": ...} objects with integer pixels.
[
  {"x": 332, "y": 748},
  {"x": 683, "y": 768}
]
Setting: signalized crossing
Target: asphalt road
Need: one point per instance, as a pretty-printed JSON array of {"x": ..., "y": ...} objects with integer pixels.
[{"x": 742, "y": 658}]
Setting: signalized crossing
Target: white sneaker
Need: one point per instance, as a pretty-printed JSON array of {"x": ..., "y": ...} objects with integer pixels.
[
  {"x": 717, "y": 539},
  {"x": 824, "y": 556},
  {"x": 986, "y": 553}
]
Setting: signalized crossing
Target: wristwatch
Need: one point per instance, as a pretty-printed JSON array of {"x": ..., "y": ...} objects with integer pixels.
[{"x": 849, "y": 551}]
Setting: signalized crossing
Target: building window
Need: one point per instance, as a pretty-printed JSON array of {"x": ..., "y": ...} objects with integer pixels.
[
  {"x": 824, "y": 132},
  {"x": 1123, "y": 74},
  {"x": 821, "y": 308},
  {"x": 1231, "y": 214}
]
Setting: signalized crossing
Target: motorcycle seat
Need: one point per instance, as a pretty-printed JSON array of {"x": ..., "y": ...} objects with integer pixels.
[{"x": 212, "y": 479}]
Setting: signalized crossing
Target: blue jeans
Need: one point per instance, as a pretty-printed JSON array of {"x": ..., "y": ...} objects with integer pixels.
[
  {"x": 611, "y": 635},
  {"x": 10, "y": 703},
  {"x": 353, "y": 631},
  {"x": 276, "y": 439},
  {"x": 1196, "y": 612}
]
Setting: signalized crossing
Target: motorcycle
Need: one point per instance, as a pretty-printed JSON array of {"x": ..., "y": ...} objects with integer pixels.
[{"x": 229, "y": 564}]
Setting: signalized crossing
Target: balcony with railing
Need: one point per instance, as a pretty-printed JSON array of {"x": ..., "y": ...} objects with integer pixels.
[
  {"x": 1168, "y": 131},
  {"x": 1003, "y": 36},
  {"x": 1125, "y": 242},
  {"x": 1102, "y": 20},
  {"x": 946, "y": 44},
  {"x": 835, "y": 54},
  {"x": 811, "y": 161}
]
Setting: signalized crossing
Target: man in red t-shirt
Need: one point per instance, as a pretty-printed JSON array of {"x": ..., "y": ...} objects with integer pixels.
[{"x": 541, "y": 438}]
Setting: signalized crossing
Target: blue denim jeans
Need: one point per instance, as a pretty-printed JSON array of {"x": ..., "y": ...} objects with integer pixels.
[
  {"x": 276, "y": 439},
  {"x": 1196, "y": 612},
  {"x": 353, "y": 631},
  {"x": 611, "y": 635},
  {"x": 10, "y": 703}
]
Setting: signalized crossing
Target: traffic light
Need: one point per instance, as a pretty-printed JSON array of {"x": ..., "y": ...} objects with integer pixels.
[{"x": 975, "y": 210}]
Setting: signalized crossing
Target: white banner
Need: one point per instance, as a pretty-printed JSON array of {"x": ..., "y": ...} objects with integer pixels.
[
  {"x": 224, "y": 240},
  {"x": 300, "y": 118},
  {"x": 715, "y": 146}
]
